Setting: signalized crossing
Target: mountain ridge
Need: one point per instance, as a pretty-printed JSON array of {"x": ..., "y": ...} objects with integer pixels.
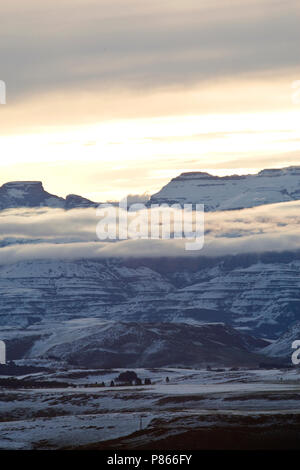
[
  {"x": 230, "y": 192},
  {"x": 133, "y": 344}
]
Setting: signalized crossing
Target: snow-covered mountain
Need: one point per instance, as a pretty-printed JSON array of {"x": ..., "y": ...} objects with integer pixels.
[
  {"x": 254, "y": 293},
  {"x": 74, "y": 201},
  {"x": 232, "y": 192},
  {"x": 32, "y": 194},
  {"x": 259, "y": 295},
  {"x": 216, "y": 193},
  {"x": 27, "y": 194},
  {"x": 121, "y": 344}
]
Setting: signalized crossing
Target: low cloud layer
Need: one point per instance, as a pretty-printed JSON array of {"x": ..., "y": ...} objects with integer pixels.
[{"x": 56, "y": 234}]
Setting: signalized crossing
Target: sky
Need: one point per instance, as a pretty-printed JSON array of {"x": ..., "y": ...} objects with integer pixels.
[{"x": 113, "y": 97}]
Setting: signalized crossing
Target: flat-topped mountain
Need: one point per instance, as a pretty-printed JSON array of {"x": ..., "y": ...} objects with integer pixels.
[
  {"x": 27, "y": 194},
  {"x": 33, "y": 194},
  {"x": 232, "y": 192}
]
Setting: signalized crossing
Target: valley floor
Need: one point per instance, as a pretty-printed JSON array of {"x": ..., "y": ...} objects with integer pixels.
[{"x": 197, "y": 409}]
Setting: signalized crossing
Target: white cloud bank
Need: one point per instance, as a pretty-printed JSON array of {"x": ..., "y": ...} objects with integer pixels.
[{"x": 55, "y": 234}]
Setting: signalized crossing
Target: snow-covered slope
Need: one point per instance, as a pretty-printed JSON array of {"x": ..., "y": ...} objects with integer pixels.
[
  {"x": 149, "y": 345},
  {"x": 282, "y": 347},
  {"x": 260, "y": 295},
  {"x": 232, "y": 192}
]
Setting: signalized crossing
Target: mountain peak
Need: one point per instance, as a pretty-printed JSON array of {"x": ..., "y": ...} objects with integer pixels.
[
  {"x": 27, "y": 194},
  {"x": 75, "y": 201},
  {"x": 32, "y": 194}
]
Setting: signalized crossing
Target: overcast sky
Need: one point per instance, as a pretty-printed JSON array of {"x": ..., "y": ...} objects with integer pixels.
[{"x": 106, "y": 98}]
